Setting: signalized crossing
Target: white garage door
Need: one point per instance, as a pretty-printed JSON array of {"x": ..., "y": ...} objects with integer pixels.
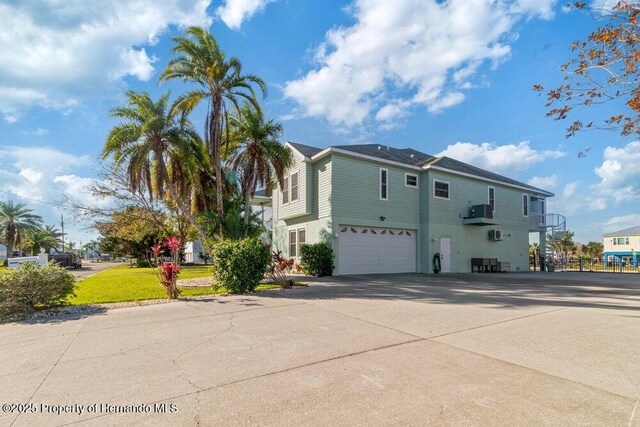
[{"x": 376, "y": 250}]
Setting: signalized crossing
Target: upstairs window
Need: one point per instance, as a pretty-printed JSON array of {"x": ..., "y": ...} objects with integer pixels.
[
  {"x": 621, "y": 241},
  {"x": 285, "y": 191},
  {"x": 410, "y": 180},
  {"x": 441, "y": 189},
  {"x": 294, "y": 187},
  {"x": 525, "y": 205},
  {"x": 491, "y": 198},
  {"x": 384, "y": 184}
]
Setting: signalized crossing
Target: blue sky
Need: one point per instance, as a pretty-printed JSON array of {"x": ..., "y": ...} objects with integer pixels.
[{"x": 449, "y": 78}]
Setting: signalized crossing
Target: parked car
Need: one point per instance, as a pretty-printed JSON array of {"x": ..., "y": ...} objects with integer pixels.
[{"x": 68, "y": 259}]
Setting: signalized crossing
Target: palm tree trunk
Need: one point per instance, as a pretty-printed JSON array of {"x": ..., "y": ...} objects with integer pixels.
[
  {"x": 11, "y": 239},
  {"x": 214, "y": 128},
  {"x": 247, "y": 208},
  {"x": 178, "y": 200}
]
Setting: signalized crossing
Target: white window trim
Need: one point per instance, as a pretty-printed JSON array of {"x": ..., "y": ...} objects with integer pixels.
[
  {"x": 489, "y": 188},
  {"x": 288, "y": 191},
  {"x": 406, "y": 174},
  {"x": 528, "y": 204},
  {"x": 433, "y": 188},
  {"x": 380, "y": 184},
  {"x": 291, "y": 199},
  {"x": 297, "y": 233}
]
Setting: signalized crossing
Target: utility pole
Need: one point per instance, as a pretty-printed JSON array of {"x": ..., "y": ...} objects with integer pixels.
[{"x": 62, "y": 225}]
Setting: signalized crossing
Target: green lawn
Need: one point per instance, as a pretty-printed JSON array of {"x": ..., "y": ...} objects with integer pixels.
[{"x": 121, "y": 283}]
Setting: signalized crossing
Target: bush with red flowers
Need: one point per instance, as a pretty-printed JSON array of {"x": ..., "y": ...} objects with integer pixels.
[
  {"x": 277, "y": 269},
  {"x": 167, "y": 271}
]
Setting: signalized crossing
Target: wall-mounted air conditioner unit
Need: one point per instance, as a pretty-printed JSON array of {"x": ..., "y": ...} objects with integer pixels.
[
  {"x": 495, "y": 235},
  {"x": 481, "y": 211}
]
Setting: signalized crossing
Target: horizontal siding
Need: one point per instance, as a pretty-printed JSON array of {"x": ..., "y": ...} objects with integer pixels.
[
  {"x": 322, "y": 181},
  {"x": 355, "y": 192},
  {"x": 301, "y": 206},
  {"x": 465, "y": 192}
]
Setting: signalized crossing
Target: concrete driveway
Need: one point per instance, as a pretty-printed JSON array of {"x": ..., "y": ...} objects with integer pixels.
[
  {"x": 509, "y": 349},
  {"x": 90, "y": 268}
]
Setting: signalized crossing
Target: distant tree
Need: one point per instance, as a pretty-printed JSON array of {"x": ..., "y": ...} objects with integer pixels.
[
  {"x": 593, "y": 249},
  {"x": 130, "y": 232},
  {"x": 43, "y": 238},
  {"x": 17, "y": 222},
  {"x": 603, "y": 69},
  {"x": 563, "y": 243},
  {"x": 534, "y": 253}
]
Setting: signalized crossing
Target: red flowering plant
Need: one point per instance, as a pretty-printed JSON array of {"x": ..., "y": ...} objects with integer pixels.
[
  {"x": 167, "y": 270},
  {"x": 277, "y": 269}
]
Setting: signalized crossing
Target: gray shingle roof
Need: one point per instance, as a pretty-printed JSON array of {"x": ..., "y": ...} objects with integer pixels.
[
  {"x": 406, "y": 156},
  {"x": 306, "y": 150},
  {"x": 633, "y": 231},
  {"x": 411, "y": 157}
]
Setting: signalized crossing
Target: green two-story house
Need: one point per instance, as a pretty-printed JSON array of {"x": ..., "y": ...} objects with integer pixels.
[{"x": 389, "y": 210}]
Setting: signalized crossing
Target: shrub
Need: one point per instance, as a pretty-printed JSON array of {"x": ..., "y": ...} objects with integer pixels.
[
  {"x": 277, "y": 269},
  {"x": 239, "y": 265},
  {"x": 317, "y": 259},
  {"x": 29, "y": 288}
]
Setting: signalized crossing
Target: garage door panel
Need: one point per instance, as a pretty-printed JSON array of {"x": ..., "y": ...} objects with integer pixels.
[{"x": 376, "y": 250}]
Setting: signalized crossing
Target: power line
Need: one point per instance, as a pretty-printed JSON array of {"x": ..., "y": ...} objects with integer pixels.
[{"x": 61, "y": 205}]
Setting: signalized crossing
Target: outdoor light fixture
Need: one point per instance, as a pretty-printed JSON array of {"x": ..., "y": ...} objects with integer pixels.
[{"x": 382, "y": 218}]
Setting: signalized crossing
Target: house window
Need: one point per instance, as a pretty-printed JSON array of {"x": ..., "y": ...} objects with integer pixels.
[
  {"x": 297, "y": 238},
  {"x": 302, "y": 238},
  {"x": 525, "y": 205},
  {"x": 410, "y": 180},
  {"x": 285, "y": 191},
  {"x": 491, "y": 197},
  {"x": 294, "y": 187},
  {"x": 384, "y": 184},
  {"x": 440, "y": 189},
  {"x": 621, "y": 241},
  {"x": 293, "y": 244}
]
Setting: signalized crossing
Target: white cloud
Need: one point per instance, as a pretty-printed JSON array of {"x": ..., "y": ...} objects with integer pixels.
[
  {"x": 505, "y": 159},
  {"x": 425, "y": 49},
  {"x": 619, "y": 173},
  {"x": 55, "y": 54},
  {"x": 621, "y": 222},
  {"x": 235, "y": 12},
  {"x": 544, "y": 182}
]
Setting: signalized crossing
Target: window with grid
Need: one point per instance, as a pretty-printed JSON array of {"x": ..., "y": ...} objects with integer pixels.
[
  {"x": 440, "y": 189},
  {"x": 293, "y": 244},
  {"x": 285, "y": 191},
  {"x": 294, "y": 187}
]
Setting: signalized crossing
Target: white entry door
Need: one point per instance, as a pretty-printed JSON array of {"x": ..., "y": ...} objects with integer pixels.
[
  {"x": 445, "y": 255},
  {"x": 366, "y": 250}
]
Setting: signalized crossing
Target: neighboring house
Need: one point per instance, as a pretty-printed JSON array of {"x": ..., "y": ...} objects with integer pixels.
[
  {"x": 387, "y": 210},
  {"x": 192, "y": 251},
  {"x": 622, "y": 245}
]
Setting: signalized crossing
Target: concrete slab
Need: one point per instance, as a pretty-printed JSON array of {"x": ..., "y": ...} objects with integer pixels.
[
  {"x": 398, "y": 349},
  {"x": 419, "y": 383}
]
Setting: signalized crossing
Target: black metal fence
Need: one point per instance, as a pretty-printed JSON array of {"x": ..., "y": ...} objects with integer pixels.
[{"x": 585, "y": 265}]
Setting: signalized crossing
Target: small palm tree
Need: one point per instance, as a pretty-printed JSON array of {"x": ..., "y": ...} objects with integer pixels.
[
  {"x": 17, "y": 222},
  {"x": 259, "y": 154},
  {"x": 150, "y": 137},
  {"x": 44, "y": 238},
  {"x": 220, "y": 83},
  {"x": 534, "y": 253}
]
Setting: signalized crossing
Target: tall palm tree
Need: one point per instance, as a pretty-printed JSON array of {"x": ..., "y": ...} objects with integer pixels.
[
  {"x": 220, "y": 83},
  {"x": 16, "y": 223},
  {"x": 150, "y": 137},
  {"x": 259, "y": 154}
]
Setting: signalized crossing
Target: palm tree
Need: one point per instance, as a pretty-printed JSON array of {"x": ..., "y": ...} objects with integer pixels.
[
  {"x": 151, "y": 137},
  {"x": 259, "y": 154},
  {"x": 44, "y": 238},
  {"x": 593, "y": 249},
  {"x": 17, "y": 222},
  {"x": 221, "y": 85}
]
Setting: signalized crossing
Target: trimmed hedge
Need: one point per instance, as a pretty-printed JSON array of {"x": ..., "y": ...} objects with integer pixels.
[
  {"x": 317, "y": 259},
  {"x": 29, "y": 288},
  {"x": 239, "y": 265}
]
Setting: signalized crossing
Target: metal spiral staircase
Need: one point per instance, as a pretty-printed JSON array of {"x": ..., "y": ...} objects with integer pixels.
[{"x": 554, "y": 225}]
